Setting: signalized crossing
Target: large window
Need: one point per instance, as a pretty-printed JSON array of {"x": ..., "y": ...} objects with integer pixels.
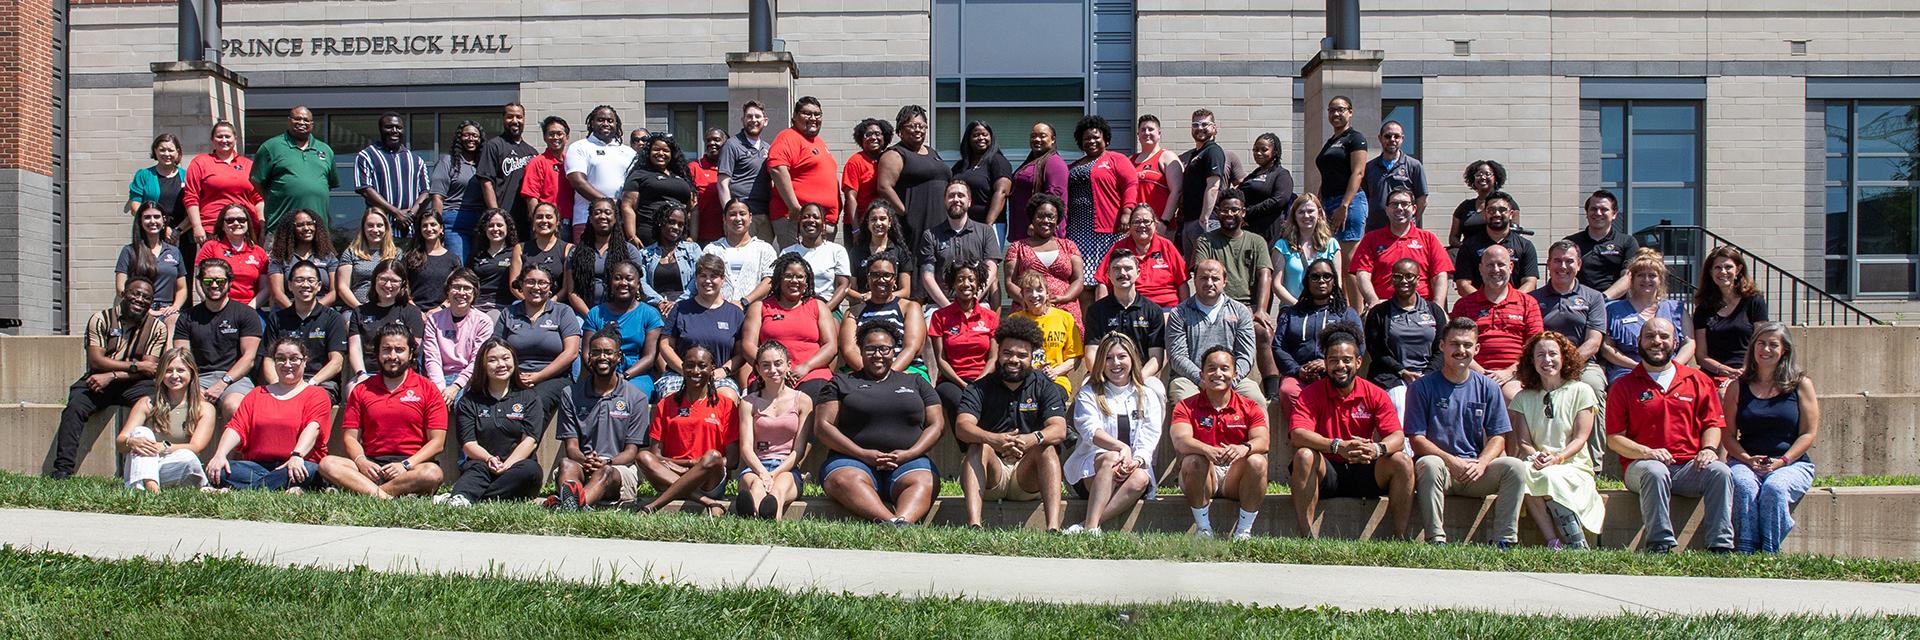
[
  {"x": 429, "y": 133},
  {"x": 1407, "y": 113},
  {"x": 1012, "y": 63},
  {"x": 1650, "y": 155},
  {"x": 689, "y": 122},
  {"x": 1010, "y": 106},
  {"x": 1873, "y": 156}
]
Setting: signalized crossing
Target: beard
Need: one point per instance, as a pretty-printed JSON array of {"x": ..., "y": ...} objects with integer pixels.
[{"x": 1656, "y": 358}]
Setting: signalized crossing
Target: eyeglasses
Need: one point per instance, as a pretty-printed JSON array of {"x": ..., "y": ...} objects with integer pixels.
[
  {"x": 878, "y": 348},
  {"x": 1320, "y": 276}
]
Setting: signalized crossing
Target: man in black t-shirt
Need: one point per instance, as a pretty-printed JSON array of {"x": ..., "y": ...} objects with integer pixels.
[
  {"x": 1205, "y": 173},
  {"x": 1009, "y": 421},
  {"x": 1501, "y": 210},
  {"x": 1129, "y": 313},
  {"x": 503, "y": 160},
  {"x": 224, "y": 337},
  {"x": 320, "y": 327},
  {"x": 1604, "y": 250}
]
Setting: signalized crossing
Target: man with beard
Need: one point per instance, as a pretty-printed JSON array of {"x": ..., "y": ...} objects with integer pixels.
[
  {"x": 391, "y": 177},
  {"x": 1401, "y": 239},
  {"x": 544, "y": 179},
  {"x": 597, "y": 164},
  {"x": 601, "y": 427},
  {"x": 123, "y": 352},
  {"x": 1604, "y": 249},
  {"x": 706, "y": 186},
  {"x": 1501, "y": 210},
  {"x": 802, "y": 171},
  {"x": 1457, "y": 420},
  {"x": 1665, "y": 421},
  {"x": 294, "y": 170},
  {"x": 1209, "y": 319},
  {"x": 1505, "y": 317},
  {"x": 959, "y": 240},
  {"x": 743, "y": 158},
  {"x": 503, "y": 160},
  {"x": 1393, "y": 170},
  {"x": 1347, "y": 439},
  {"x": 1249, "y": 268},
  {"x": 1221, "y": 438},
  {"x": 395, "y": 425},
  {"x": 1202, "y": 179},
  {"x": 1009, "y": 420}
]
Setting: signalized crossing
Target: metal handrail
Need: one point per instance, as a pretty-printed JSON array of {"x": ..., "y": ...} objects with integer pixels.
[{"x": 1791, "y": 298}]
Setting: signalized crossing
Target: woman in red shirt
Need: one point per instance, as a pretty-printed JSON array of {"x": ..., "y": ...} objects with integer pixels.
[
  {"x": 1163, "y": 271},
  {"x": 796, "y": 318},
  {"x": 1100, "y": 185},
  {"x": 279, "y": 433},
  {"x": 962, "y": 334},
  {"x": 217, "y": 179},
  {"x": 872, "y": 136},
  {"x": 239, "y": 245}
]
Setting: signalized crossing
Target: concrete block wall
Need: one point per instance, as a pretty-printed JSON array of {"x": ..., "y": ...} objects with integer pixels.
[
  {"x": 573, "y": 100},
  {"x": 27, "y": 259},
  {"x": 1757, "y": 179},
  {"x": 1487, "y": 115}
]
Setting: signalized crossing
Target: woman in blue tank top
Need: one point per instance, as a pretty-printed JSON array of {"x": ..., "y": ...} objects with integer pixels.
[{"x": 1775, "y": 417}]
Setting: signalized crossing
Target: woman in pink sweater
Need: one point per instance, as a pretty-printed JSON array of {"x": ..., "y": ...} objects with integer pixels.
[{"x": 454, "y": 336}]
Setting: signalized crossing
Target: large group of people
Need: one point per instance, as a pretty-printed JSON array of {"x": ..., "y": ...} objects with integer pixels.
[{"x": 696, "y": 324}]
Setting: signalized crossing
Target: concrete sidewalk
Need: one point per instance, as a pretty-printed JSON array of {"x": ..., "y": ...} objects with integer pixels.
[{"x": 913, "y": 574}]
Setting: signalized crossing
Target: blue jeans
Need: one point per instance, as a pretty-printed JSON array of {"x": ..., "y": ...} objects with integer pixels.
[
  {"x": 1356, "y": 223},
  {"x": 884, "y": 486},
  {"x": 1762, "y": 507},
  {"x": 462, "y": 228},
  {"x": 247, "y": 474}
]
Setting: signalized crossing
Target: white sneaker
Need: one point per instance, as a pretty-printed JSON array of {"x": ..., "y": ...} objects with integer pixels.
[
  {"x": 1075, "y": 530},
  {"x": 1096, "y": 532},
  {"x": 1242, "y": 535},
  {"x": 442, "y": 498},
  {"x": 1204, "y": 534},
  {"x": 458, "y": 501}
]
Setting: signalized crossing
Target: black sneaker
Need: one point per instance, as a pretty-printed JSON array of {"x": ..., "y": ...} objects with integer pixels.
[
  {"x": 1657, "y": 549},
  {"x": 1720, "y": 550},
  {"x": 768, "y": 508},
  {"x": 569, "y": 494},
  {"x": 60, "y": 474}
]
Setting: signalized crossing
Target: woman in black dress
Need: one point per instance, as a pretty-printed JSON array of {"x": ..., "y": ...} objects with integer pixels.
[
  {"x": 1726, "y": 306},
  {"x": 492, "y": 260},
  {"x": 1269, "y": 187},
  {"x": 544, "y": 248},
  {"x": 987, "y": 173},
  {"x": 912, "y": 177},
  {"x": 1484, "y": 177},
  {"x": 659, "y": 177}
]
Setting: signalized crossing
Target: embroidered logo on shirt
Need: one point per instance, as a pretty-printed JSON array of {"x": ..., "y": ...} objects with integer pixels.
[
  {"x": 1646, "y": 396},
  {"x": 1361, "y": 413},
  {"x": 1684, "y": 398},
  {"x": 409, "y": 396},
  {"x": 1029, "y": 405},
  {"x": 904, "y": 390},
  {"x": 722, "y": 326},
  {"x": 317, "y": 334}
]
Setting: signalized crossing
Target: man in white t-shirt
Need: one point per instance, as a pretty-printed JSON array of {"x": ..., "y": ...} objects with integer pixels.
[{"x": 597, "y": 164}]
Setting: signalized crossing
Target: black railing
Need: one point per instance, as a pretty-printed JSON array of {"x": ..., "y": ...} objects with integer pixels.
[{"x": 1790, "y": 298}]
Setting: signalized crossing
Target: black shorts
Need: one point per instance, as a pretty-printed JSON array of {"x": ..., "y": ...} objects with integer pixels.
[
  {"x": 386, "y": 460},
  {"x": 1349, "y": 480}
]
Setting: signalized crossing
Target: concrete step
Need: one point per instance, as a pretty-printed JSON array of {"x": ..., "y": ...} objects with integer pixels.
[{"x": 39, "y": 369}]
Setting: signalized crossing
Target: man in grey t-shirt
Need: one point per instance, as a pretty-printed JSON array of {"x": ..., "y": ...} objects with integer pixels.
[
  {"x": 1393, "y": 169},
  {"x": 743, "y": 158},
  {"x": 601, "y": 427}
]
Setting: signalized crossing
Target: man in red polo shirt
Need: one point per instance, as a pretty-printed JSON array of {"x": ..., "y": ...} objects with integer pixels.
[
  {"x": 1506, "y": 318},
  {"x": 1372, "y": 262},
  {"x": 1347, "y": 439},
  {"x": 802, "y": 172},
  {"x": 1221, "y": 437},
  {"x": 395, "y": 425},
  {"x": 1664, "y": 419}
]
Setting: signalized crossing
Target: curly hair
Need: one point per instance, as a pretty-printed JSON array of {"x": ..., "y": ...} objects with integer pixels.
[
  {"x": 780, "y": 266},
  {"x": 1023, "y": 329},
  {"x": 1570, "y": 364}
]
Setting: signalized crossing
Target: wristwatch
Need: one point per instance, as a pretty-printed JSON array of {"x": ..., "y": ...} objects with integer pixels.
[
  {"x": 1383, "y": 448},
  {"x": 226, "y": 378},
  {"x": 1039, "y": 438},
  {"x": 406, "y": 464},
  {"x": 1334, "y": 446}
]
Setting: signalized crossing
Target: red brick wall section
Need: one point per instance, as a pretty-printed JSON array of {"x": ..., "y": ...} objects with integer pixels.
[{"x": 26, "y": 85}]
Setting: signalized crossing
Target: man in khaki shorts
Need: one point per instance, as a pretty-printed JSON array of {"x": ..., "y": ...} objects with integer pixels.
[
  {"x": 602, "y": 426},
  {"x": 1221, "y": 438},
  {"x": 1010, "y": 421}
]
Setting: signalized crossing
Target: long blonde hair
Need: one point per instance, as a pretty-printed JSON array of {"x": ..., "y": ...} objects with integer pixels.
[
  {"x": 359, "y": 246},
  {"x": 1294, "y": 235},
  {"x": 163, "y": 407},
  {"x": 1098, "y": 382}
]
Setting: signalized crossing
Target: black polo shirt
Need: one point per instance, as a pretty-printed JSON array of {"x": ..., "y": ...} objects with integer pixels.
[
  {"x": 323, "y": 332},
  {"x": 498, "y": 424},
  {"x": 1602, "y": 261},
  {"x": 1466, "y": 262},
  {"x": 214, "y": 336},
  {"x": 1144, "y": 321},
  {"x": 1022, "y": 410}
]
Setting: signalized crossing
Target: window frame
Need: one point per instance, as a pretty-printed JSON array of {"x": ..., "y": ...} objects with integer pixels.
[
  {"x": 1624, "y": 188},
  {"x": 1852, "y": 261}
]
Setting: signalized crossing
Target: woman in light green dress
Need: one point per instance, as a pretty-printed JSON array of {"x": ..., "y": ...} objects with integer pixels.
[{"x": 1554, "y": 413}]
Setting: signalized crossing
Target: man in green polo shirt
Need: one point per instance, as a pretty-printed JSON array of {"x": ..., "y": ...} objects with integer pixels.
[{"x": 294, "y": 170}]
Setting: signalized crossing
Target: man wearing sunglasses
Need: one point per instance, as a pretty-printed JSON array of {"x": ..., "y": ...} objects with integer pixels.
[{"x": 223, "y": 336}]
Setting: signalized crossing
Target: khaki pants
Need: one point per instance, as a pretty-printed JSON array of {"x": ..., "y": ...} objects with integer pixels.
[
  {"x": 1507, "y": 477},
  {"x": 781, "y": 233}
]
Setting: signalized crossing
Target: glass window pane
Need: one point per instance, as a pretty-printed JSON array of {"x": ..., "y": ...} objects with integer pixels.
[
  {"x": 1839, "y": 237},
  {"x": 1652, "y": 205},
  {"x": 1025, "y": 90},
  {"x": 1837, "y": 128},
  {"x": 1613, "y": 129},
  {"x": 261, "y": 125},
  {"x": 1837, "y": 169},
  {"x": 1837, "y": 281},
  {"x": 1887, "y": 221},
  {"x": 1011, "y": 124},
  {"x": 344, "y": 210},
  {"x": 684, "y": 123},
  {"x": 1664, "y": 117},
  {"x": 348, "y": 133},
  {"x": 1665, "y": 157},
  {"x": 1886, "y": 278},
  {"x": 1408, "y": 115},
  {"x": 1887, "y": 128},
  {"x": 947, "y": 128},
  {"x": 420, "y": 133},
  {"x": 946, "y": 91},
  {"x": 1881, "y": 169},
  {"x": 1612, "y": 172}
]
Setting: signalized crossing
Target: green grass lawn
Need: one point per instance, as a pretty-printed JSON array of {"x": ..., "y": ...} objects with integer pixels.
[
  {"x": 105, "y": 495},
  {"x": 60, "y": 596}
]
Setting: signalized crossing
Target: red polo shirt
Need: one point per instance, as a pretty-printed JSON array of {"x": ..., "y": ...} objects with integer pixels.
[
  {"x": 1670, "y": 419},
  {"x": 1504, "y": 326},
  {"x": 813, "y": 173},
  {"x": 1365, "y": 413},
  {"x": 966, "y": 335},
  {"x": 688, "y": 431},
  {"x": 1223, "y": 426},
  {"x": 1162, "y": 270},
  {"x": 395, "y": 422},
  {"x": 1379, "y": 249},
  {"x": 269, "y": 427}
]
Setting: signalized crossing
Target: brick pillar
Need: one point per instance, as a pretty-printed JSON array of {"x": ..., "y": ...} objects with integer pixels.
[
  {"x": 766, "y": 76},
  {"x": 1340, "y": 72},
  {"x": 188, "y": 97},
  {"x": 32, "y": 266}
]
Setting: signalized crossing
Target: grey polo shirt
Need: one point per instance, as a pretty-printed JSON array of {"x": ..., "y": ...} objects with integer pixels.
[{"x": 604, "y": 424}]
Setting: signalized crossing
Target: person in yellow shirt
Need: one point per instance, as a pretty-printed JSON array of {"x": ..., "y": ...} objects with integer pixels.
[{"x": 1060, "y": 356}]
